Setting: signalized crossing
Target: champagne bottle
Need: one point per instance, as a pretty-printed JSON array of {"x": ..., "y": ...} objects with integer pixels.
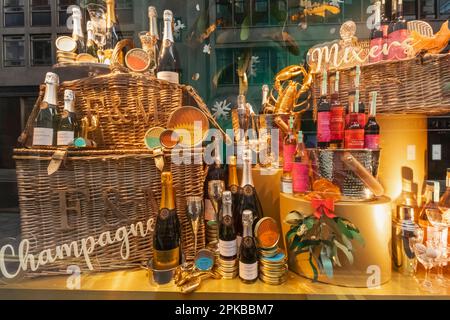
[
  {"x": 45, "y": 122},
  {"x": 248, "y": 198},
  {"x": 68, "y": 126},
  {"x": 233, "y": 182},
  {"x": 168, "y": 63},
  {"x": 167, "y": 235},
  {"x": 153, "y": 32},
  {"x": 77, "y": 32},
  {"x": 91, "y": 46},
  {"x": 216, "y": 173},
  {"x": 248, "y": 256},
  {"x": 112, "y": 34},
  {"x": 372, "y": 129},
  {"x": 227, "y": 233},
  {"x": 323, "y": 116}
]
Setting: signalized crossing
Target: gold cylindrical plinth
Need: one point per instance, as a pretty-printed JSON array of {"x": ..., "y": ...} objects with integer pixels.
[
  {"x": 372, "y": 262},
  {"x": 267, "y": 185}
]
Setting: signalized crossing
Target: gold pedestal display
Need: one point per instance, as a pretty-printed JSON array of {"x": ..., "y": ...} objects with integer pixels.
[
  {"x": 372, "y": 263},
  {"x": 267, "y": 185},
  {"x": 404, "y": 152}
]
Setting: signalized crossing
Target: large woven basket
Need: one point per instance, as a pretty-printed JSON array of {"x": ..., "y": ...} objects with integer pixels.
[
  {"x": 414, "y": 86},
  {"x": 126, "y": 103},
  {"x": 113, "y": 191}
]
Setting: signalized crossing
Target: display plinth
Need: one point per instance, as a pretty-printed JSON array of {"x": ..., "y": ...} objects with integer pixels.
[
  {"x": 267, "y": 185},
  {"x": 371, "y": 262},
  {"x": 134, "y": 284}
]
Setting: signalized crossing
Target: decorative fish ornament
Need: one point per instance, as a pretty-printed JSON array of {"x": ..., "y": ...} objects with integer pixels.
[{"x": 434, "y": 44}]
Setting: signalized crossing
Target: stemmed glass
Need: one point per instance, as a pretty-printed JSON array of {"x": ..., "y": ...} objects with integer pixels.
[
  {"x": 440, "y": 219},
  {"x": 426, "y": 255},
  {"x": 97, "y": 14},
  {"x": 195, "y": 212}
]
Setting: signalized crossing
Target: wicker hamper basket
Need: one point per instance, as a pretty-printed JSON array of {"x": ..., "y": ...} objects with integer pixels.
[
  {"x": 112, "y": 190},
  {"x": 127, "y": 104},
  {"x": 414, "y": 86},
  {"x": 107, "y": 188}
]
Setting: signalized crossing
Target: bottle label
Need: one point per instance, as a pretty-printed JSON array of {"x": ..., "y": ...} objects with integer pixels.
[
  {"x": 228, "y": 248},
  {"x": 377, "y": 54},
  {"x": 372, "y": 141},
  {"x": 323, "y": 127},
  {"x": 288, "y": 157},
  {"x": 65, "y": 138},
  {"x": 169, "y": 76},
  {"x": 286, "y": 187},
  {"x": 300, "y": 178},
  {"x": 396, "y": 50},
  {"x": 210, "y": 213},
  {"x": 354, "y": 139},
  {"x": 337, "y": 125},
  {"x": 248, "y": 271},
  {"x": 43, "y": 137},
  {"x": 166, "y": 259}
]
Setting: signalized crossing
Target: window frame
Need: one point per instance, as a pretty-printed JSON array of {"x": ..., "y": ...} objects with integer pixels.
[{"x": 4, "y": 41}]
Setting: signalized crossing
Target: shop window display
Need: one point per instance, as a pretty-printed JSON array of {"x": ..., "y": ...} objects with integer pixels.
[{"x": 257, "y": 144}]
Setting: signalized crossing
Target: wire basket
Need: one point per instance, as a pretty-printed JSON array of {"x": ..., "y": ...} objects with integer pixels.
[{"x": 331, "y": 166}]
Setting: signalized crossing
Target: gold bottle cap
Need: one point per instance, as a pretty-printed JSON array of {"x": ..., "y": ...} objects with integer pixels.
[{"x": 232, "y": 161}]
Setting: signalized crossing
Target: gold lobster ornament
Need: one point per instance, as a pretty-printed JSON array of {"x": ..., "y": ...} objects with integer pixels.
[{"x": 289, "y": 91}]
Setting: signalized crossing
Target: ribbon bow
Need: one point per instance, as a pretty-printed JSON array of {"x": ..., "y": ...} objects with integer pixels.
[{"x": 323, "y": 207}]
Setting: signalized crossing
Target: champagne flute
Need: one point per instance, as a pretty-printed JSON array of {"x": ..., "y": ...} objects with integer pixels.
[
  {"x": 97, "y": 14},
  {"x": 195, "y": 213},
  {"x": 440, "y": 219},
  {"x": 215, "y": 191}
]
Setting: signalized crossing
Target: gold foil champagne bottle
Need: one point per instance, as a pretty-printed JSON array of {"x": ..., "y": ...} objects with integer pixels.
[
  {"x": 46, "y": 120},
  {"x": 167, "y": 235}
]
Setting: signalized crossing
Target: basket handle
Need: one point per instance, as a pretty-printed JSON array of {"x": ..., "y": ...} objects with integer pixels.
[{"x": 116, "y": 65}]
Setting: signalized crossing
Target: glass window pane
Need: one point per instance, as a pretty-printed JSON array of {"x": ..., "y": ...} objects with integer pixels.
[
  {"x": 14, "y": 51},
  {"x": 241, "y": 11},
  {"x": 260, "y": 12},
  {"x": 62, "y": 10},
  {"x": 428, "y": 9},
  {"x": 41, "y": 19},
  {"x": 444, "y": 9},
  {"x": 41, "y": 50},
  {"x": 410, "y": 9},
  {"x": 13, "y": 13},
  {"x": 224, "y": 12}
]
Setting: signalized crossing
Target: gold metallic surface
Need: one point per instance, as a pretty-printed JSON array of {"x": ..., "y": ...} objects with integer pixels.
[
  {"x": 267, "y": 185},
  {"x": 134, "y": 284},
  {"x": 374, "y": 221},
  {"x": 398, "y": 133}
]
